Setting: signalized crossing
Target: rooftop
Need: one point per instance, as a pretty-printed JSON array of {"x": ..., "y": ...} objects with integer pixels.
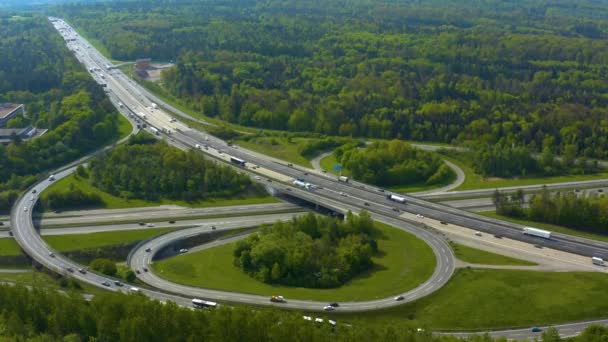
[{"x": 7, "y": 108}]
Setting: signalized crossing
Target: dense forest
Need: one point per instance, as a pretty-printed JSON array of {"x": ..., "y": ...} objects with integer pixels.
[
  {"x": 47, "y": 316},
  {"x": 509, "y": 72},
  {"x": 394, "y": 163},
  {"x": 570, "y": 209},
  {"x": 151, "y": 170},
  {"x": 310, "y": 251},
  {"x": 38, "y": 70}
]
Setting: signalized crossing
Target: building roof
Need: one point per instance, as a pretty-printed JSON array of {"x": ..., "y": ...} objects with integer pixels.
[
  {"x": 7, "y": 132},
  {"x": 7, "y": 108}
]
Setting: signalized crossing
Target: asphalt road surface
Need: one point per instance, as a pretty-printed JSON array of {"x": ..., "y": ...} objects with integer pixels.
[{"x": 328, "y": 191}]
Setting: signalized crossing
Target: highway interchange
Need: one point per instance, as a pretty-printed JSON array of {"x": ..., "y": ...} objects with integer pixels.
[{"x": 330, "y": 193}]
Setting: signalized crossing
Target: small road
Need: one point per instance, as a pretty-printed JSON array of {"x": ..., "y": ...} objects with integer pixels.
[{"x": 316, "y": 161}]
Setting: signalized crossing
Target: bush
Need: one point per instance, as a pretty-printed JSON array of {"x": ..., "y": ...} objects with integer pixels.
[{"x": 105, "y": 266}]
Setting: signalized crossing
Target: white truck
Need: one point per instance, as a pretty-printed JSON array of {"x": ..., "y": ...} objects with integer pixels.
[
  {"x": 154, "y": 105},
  {"x": 141, "y": 115},
  {"x": 343, "y": 179},
  {"x": 167, "y": 130},
  {"x": 395, "y": 198},
  {"x": 154, "y": 131},
  {"x": 597, "y": 261},
  {"x": 545, "y": 234},
  {"x": 302, "y": 184}
]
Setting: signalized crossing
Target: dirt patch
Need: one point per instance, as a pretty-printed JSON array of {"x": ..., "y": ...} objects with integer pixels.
[{"x": 153, "y": 72}]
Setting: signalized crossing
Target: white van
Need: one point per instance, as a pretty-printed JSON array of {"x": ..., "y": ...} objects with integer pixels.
[{"x": 597, "y": 261}]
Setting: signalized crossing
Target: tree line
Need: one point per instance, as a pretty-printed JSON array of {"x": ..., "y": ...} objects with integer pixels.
[
  {"x": 587, "y": 212},
  {"x": 511, "y": 73},
  {"x": 394, "y": 163},
  {"x": 38, "y": 70},
  {"x": 309, "y": 251},
  {"x": 152, "y": 170},
  {"x": 44, "y": 315}
]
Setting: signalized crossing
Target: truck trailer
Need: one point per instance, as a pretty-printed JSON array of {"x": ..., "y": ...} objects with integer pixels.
[
  {"x": 302, "y": 184},
  {"x": 545, "y": 234},
  {"x": 597, "y": 261},
  {"x": 154, "y": 130},
  {"x": 395, "y": 198},
  {"x": 343, "y": 179}
]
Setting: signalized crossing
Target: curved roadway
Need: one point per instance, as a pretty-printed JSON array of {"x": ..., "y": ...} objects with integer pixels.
[
  {"x": 140, "y": 259},
  {"x": 33, "y": 245}
]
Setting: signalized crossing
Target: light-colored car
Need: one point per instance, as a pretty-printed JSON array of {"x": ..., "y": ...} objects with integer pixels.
[
  {"x": 419, "y": 216},
  {"x": 478, "y": 233},
  {"x": 398, "y": 298},
  {"x": 329, "y": 308},
  {"x": 183, "y": 250},
  {"x": 24, "y": 208},
  {"x": 150, "y": 225}
]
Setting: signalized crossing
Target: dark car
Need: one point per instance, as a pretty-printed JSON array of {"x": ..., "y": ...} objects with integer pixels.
[
  {"x": 142, "y": 223},
  {"x": 71, "y": 270},
  {"x": 118, "y": 283},
  {"x": 538, "y": 246},
  {"x": 105, "y": 283},
  {"x": 137, "y": 271},
  {"x": 145, "y": 269},
  {"x": 171, "y": 221},
  {"x": 289, "y": 164},
  {"x": 213, "y": 228},
  {"x": 498, "y": 236},
  {"x": 334, "y": 304},
  {"x": 1, "y": 223},
  {"x": 148, "y": 249},
  {"x": 366, "y": 204},
  {"x": 536, "y": 329},
  {"x": 443, "y": 222}
]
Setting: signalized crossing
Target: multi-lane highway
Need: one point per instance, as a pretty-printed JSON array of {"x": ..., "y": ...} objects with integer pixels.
[{"x": 337, "y": 195}]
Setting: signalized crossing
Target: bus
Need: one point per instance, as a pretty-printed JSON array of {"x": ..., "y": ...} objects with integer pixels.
[
  {"x": 237, "y": 161},
  {"x": 201, "y": 304}
]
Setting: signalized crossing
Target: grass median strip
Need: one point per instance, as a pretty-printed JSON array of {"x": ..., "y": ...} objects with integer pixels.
[
  {"x": 166, "y": 219},
  {"x": 64, "y": 243},
  {"x": 478, "y": 256},
  {"x": 9, "y": 247},
  {"x": 404, "y": 263}
]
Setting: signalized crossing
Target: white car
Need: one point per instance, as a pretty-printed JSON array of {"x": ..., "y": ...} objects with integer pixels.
[
  {"x": 183, "y": 250},
  {"x": 134, "y": 289},
  {"x": 399, "y": 298},
  {"x": 257, "y": 178},
  {"x": 419, "y": 216},
  {"x": 150, "y": 225},
  {"x": 24, "y": 208},
  {"x": 478, "y": 233},
  {"x": 328, "y": 308}
]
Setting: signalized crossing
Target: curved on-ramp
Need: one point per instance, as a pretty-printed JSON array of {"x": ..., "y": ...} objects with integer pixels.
[{"x": 140, "y": 259}]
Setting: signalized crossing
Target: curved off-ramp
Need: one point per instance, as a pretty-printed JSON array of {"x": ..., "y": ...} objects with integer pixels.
[{"x": 140, "y": 259}]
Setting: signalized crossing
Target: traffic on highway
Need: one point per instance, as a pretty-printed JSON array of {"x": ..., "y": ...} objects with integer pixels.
[{"x": 328, "y": 191}]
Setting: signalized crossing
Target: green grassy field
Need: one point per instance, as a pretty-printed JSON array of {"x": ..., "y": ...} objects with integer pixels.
[
  {"x": 475, "y": 181},
  {"x": 496, "y": 299},
  {"x": 124, "y": 126},
  {"x": 478, "y": 256},
  {"x": 405, "y": 263},
  {"x": 330, "y": 161},
  {"x": 64, "y": 243},
  {"x": 113, "y": 202},
  {"x": 547, "y": 226},
  {"x": 278, "y": 147},
  {"x": 8, "y": 247}
]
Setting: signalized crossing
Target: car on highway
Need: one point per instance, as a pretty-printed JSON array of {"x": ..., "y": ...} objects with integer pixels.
[
  {"x": 398, "y": 298},
  {"x": 443, "y": 222},
  {"x": 51, "y": 254},
  {"x": 34, "y": 191},
  {"x": 1, "y": 223},
  {"x": 366, "y": 204},
  {"x": 70, "y": 269},
  {"x": 328, "y": 308},
  {"x": 134, "y": 289},
  {"x": 334, "y": 304},
  {"x": 183, "y": 250},
  {"x": 419, "y": 216},
  {"x": 172, "y": 221},
  {"x": 478, "y": 233},
  {"x": 538, "y": 246},
  {"x": 148, "y": 249},
  {"x": 24, "y": 208},
  {"x": 498, "y": 236},
  {"x": 213, "y": 228},
  {"x": 138, "y": 271},
  {"x": 141, "y": 223},
  {"x": 277, "y": 299},
  {"x": 150, "y": 225},
  {"x": 342, "y": 194},
  {"x": 257, "y": 178},
  {"x": 536, "y": 329},
  {"x": 82, "y": 270},
  {"x": 106, "y": 283},
  {"x": 145, "y": 269},
  {"x": 118, "y": 283}
]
